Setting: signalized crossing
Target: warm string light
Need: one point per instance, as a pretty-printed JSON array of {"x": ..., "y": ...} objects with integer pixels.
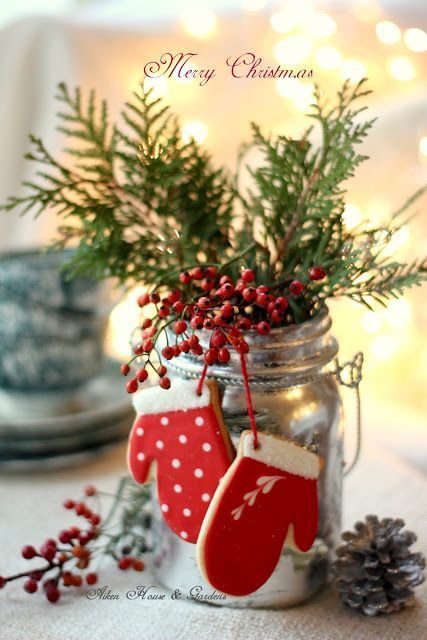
[
  {"x": 352, "y": 216},
  {"x": 401, "y": 68},
  {"x": 328, "y": 57},
  {"x": 292, "y": 50},
  {"x": 416, "y": 40},
  {"x": 199, "y": 22},
  {"x": 353, "y": 70},
  {"x": 195, "y": 129},
  {"x": 388, "y": 32}
]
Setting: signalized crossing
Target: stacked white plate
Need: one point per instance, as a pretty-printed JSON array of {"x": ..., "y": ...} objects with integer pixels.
[{"x": 55, "y": 429}]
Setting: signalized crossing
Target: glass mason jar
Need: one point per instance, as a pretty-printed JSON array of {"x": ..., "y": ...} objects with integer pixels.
[{"x": 295, "y": 393}]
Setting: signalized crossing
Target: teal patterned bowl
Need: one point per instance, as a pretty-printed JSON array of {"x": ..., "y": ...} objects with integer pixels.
[{"x": 52, "y": 328}]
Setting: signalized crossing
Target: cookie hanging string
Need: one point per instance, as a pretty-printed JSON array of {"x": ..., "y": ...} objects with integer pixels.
[{"x": 249, "y": 399}]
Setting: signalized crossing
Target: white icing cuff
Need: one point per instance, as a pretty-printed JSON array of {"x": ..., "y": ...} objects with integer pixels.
[
  {"x": 182, "y": 396},
  {"x": 282, "y": 454}
]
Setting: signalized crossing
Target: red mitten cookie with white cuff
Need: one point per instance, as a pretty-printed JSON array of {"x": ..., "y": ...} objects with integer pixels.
[
  {"x": 182, "y": 435},
  {"x": 267, "y": 497}
]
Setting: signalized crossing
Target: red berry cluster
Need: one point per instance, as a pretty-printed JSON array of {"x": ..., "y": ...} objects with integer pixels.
[
  {"x": 69, "y": 550},
  {"x": 213, "y": 302}
]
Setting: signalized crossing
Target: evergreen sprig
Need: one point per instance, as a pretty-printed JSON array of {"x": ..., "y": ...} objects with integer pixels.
[{"x": 140, "y": 204}]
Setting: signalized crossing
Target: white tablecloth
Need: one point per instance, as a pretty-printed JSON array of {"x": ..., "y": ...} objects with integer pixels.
[{"x": 382, "y": 483}]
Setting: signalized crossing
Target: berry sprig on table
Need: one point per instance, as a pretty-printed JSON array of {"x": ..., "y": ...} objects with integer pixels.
[
  {"x": 65, "y": 558},
  {"x": 212, "y": 301}
]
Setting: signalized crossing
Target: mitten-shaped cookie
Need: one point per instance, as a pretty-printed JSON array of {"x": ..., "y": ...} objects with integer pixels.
[
  {"x": 180, "y": 435},
  {"x": 265, "y": 490}
]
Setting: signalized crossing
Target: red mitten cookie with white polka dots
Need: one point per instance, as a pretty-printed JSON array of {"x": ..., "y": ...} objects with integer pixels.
[{"x": 184, "y": 434}]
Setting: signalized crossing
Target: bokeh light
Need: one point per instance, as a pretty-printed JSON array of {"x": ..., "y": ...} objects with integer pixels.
[
  {"x": 416, "y": 40},
  {"x": 401, "y": 68},
  {"x": 199, "y": 22},
  {"x": 195, "y": 129},
  {"x": 292, "y": 50},
  {"x": 388, "y": 32}
]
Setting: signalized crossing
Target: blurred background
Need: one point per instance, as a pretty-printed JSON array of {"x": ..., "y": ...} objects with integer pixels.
[{"x": 106, "y": 43}]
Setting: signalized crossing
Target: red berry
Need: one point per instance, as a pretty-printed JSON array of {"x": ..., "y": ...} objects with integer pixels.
[
  {"x": 197, "y": 350},
  {"x": 271, "y": 307},
  {"x": 154, "y": 297},
  {"x": 77, "y": 581},
  {"x": 2, "y": 582},
  {"x": 204, "y": 303},
  {"x": 138, "y": 565},
  {"x": 90, "y": 490},
  {"x": 211, "y": 356},
  {"x": 244, "y": 324},
  {"x": 263, "y": 328},
  {"x": 162, "y": 371},
  {"x": 180, "y": 326},
  {"x": 48, "y": 552},
  {"x": 185, "y": 277},
  {"x": 174, "y": 296},
  {"x": 53, "y": 594},
  {"x": 84, "y": 538},
  {"x": 165, "y": 383},
  {"x": 49, "y": 584},
  {"x": 164, "y": 311},
  {"x": 176, "y": 350},
  {"x": 227, "y": 310},
  {"x": 193, "y": 341},
  {"x": 249, "y": 294},
  {"x": 316, "y": 273},
  {"x": 277, "y": 316},
  {"x": 184, "y": 346},
  {"x": 125, "y": 368},
  {"x": 218, "y": 338},
  {"x": 247, "y": 275},
  {"x": 261, "y": 299},
  {"x": 69, "y": 504},
  {"x": 262, "y": 288},
  {"x": 178, "y": 307},
  {"x": 197, "y": 322},
  {"x": 132, "y": 385},
  {"x": 146, "y": 323},
  {"x": 142, "y": 375},
  {"x": 207, "y": 284},
  {"x": 148, "y": 345},
  {"x": 208, "y": 323},
  {"x": 92, "y": 578},
  {"x": 219, "y": 321},
  {"x": 149, "y": 333},
  {"x": 210, "y": 272},
  {"x": 296, "y": 287},
  {"x": 168, "y": 353},
  {"x": 95, "y": 519},
  {"x": 30, "y": 586},
  {"x": 28, "y": 552},
  {"x": 138, "y": 350},
  {"x": 125, "y": 562},
  {"x": 282, "y": 303},
  {"x": 64, "y": 536},
  {"x": 227, "y": 290},
  {"x": 223, "y": 355},
  {"x": 197, "y": 273},
  {"x": 225, "y": 280},
  {"x": 240, "y": 285},
  {"x": 242, "y": 346},
  {"x": 143, "y": 299}
]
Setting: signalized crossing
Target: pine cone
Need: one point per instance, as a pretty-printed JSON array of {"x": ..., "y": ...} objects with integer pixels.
[{"x": 375, "y": 570}]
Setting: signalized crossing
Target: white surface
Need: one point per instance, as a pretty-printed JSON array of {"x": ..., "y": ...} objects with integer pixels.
[{"x": 30, "y": 505}]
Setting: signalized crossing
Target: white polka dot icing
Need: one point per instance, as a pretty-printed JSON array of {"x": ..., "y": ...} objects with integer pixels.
[
  {"x": 177, "y": 488},
  {"x": 164, "y": 421},
  {"x": 199, "y": 421},
  {"x": 140, "y": 431},
  {"x": 164, "y": 508},
  {"x": 206, "y": 446},
  {"x": 186, "y": 512},
  {"x": 206, "y": 497},
  {"x": 176, "y": 463},
  {"x": 141, "y": 456},
  {"x": 184, "y": 535},
  {"x": 160, "y": 444},
  {"x": 182, "y": 439},
  {"x": 198, "y": 473}
]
